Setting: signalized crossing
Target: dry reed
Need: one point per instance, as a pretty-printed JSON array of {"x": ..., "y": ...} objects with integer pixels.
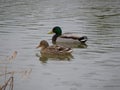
[{"x": 9, "y": 75}]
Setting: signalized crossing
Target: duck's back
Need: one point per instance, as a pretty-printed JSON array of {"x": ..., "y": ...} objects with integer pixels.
[
  {"x": 56, "y": 50},
  {"x": 71, "y": 35},
  {"x": 72, "y": 38}
]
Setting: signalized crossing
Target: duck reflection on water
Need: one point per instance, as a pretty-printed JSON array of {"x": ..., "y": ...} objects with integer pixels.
[{"x": 44, "y": 58}]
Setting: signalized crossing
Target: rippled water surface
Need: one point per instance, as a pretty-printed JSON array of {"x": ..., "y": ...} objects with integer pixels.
[{"x": 23, "y": 23}]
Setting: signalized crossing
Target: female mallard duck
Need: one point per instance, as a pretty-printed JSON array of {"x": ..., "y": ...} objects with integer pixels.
[
  {"x": 66, "y": 37},
  {"x": 54, "y": 49}
]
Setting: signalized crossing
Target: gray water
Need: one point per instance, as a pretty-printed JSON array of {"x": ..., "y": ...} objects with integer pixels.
[{"x": 24, "y": 23}]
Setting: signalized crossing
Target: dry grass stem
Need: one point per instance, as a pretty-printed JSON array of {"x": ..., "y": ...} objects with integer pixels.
[
  {"x": 7, "y": 76},
  {"x": 13, "y": 56}
]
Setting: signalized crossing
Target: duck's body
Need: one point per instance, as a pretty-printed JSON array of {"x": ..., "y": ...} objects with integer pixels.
[
  {"x": 54, "y": 49},
  {"x": 66, "y": 37},
  {"x": 71, "y": 37}
]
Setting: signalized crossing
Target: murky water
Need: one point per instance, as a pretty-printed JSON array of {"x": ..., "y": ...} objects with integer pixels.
[{"x": 23, "y": 23}]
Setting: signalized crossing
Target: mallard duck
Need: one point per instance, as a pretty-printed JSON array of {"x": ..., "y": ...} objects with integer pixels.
[
  {"x": 66, "y": 37},
  {"x": 53, "y": 49}
]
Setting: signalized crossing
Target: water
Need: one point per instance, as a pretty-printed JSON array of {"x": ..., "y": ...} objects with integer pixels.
[{"x": 23, "y": 23}]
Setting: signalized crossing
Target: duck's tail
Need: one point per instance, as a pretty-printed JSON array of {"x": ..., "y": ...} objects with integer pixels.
[{"x": 83, "y": 39}]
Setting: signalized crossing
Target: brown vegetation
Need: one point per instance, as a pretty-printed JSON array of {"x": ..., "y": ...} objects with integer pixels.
[{"x": 8, "y": 76}]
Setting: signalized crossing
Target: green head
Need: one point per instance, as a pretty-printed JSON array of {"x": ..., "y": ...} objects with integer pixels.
[{"x": 57, "y": 30}]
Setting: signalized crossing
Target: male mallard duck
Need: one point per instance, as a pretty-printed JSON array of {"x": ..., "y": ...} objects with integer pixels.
[
  {"x": 54, "y": 49},
  {"x": 66, "y": 37}
]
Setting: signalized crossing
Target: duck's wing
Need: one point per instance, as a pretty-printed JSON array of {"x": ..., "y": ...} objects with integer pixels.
[
  {"x": 57, "y": 50},
  {"x": 74, "y": 36},
  {"x": 63, "y": 49},
  {"x": 70, "y": 35}
]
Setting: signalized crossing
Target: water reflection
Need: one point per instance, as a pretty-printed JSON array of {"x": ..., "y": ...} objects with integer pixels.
[
  {"x": 106, "y": 17},
  {"x": 44, "y": 58}
]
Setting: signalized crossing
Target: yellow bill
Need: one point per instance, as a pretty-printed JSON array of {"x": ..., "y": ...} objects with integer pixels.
[{"x": 51, "y": 32}]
